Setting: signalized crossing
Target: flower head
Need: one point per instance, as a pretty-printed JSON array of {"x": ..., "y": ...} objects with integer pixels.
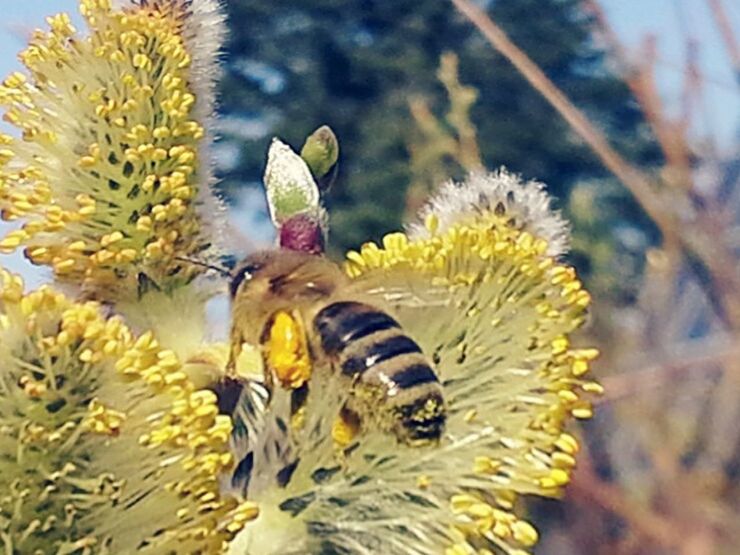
[
  {"x": 108, "y": 177},
  {"x": 106, "y": 444},
  {"x": 480, "y": 291},
  {"x": 525, "y": 204}
]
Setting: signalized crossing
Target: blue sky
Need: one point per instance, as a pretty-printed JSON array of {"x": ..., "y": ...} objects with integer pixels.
[{"x": 673, "y": 22}]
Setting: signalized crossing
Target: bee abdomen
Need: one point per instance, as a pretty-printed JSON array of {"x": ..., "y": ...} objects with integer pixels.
[
  {"x": 366, "y": 357},
  {"x": 422, "y": 417},
  {"x": 414, "y": 375},
  {"x": 370, "y": 345},
  {"x": 342, "y": 323}
]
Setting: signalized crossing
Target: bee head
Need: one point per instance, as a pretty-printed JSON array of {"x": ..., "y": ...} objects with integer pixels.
[
  {"x": 249, "y": 269},
  {"x": 284, "y": 273}
]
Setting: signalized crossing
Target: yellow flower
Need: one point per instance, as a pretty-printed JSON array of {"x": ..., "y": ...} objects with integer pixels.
[
  {"x": 105, "y": 443},
  {"x": 484, "y": 297},
  {"x": 109, "y": 177}
]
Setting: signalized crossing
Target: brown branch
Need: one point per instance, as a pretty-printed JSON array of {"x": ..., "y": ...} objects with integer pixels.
[
  {"x": 725, "y": 29},
  {"x": 586, "y": 487},
  {"x": 640, "y": 78},
  {"x": 462, "y": 99},
  {"x": 670, "y": 135},
  {"x": 687, "y": 361},
  {"x": 701, "y": 75}
]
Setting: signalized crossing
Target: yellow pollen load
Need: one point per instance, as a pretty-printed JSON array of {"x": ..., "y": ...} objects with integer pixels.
[
  {"x": 343, "y": 432},
  {"x": 287, "y": 352},
  {"x": 123, "y": 187},
  {"x": 145, "y": 419},
  {"x": 485, "y": 258}
]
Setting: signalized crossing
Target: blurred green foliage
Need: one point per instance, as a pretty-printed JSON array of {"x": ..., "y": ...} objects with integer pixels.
[
  {"x": 355, "y": 65},
  {"x": 610, "y": 239}
]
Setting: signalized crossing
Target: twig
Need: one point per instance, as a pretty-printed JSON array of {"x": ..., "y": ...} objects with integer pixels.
[
  {"x": 670, "y": 135},
  {"x": 462, "y": 99},
  {"x": 725, "y": 29},
  {"x": 640, "y": 79},
  {"x": 701, "y": 75},
  {"x": 586, "y": 487},
  {"x": 686, "y": 361}
]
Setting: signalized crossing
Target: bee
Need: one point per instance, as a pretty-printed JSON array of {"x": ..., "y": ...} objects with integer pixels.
[{"x": 303, "y": 312}]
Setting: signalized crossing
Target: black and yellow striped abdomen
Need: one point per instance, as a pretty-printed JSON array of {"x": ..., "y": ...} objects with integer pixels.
[{"x": 368, "y": 345}]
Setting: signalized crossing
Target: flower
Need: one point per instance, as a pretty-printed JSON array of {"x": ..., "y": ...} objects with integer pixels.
[
  {"x": 106, "y": 444},
  {"x": 109, "y": 177},
  {"x": 479, "y": 289},
  {"x": 526, "y": 204}
]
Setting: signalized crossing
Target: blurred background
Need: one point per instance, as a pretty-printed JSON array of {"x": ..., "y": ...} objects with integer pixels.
[{"x": 641, "y": 153}]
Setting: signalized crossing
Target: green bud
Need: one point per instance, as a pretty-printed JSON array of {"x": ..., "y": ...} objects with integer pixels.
[{"x": 321, "y": 151}]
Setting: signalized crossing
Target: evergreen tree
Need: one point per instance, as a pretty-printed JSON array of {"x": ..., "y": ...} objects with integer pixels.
[{"x": 354, "y": 64}]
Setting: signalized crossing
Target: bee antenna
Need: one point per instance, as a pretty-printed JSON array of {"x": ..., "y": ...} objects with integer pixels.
[{"x": 219, "y": 269}]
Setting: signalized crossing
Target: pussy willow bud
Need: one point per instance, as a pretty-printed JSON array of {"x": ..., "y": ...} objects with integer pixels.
[
  {"x": 321, "y": 153},
  {"x": 294, "y": 200}
]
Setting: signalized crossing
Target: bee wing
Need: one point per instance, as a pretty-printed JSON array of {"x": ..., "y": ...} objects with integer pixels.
[
  {"x": 472, "y": 332},
  {"x": 408, "y": 296},
  {"x": 249, "y": 421},
  {"x": 400, "y": 290}
]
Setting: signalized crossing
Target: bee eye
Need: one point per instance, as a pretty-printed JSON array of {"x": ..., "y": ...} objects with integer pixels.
[{"x": 245, "y": 273}]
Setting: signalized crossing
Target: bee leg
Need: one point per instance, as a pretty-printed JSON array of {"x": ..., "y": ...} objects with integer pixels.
[
  {"x": 347, "y": 426},
  {"x": 298, "y": 399},
  {"x": 228, "y": 391},
  {"x": 237, "y": 344},
  {"x": 286, "y": 348}
]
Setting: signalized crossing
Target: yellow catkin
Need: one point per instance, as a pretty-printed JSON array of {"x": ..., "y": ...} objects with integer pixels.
[
  {"x": 177, "y": 427},
  {"x": 457, "y": 257},
  {"x": 134, "y": 60}
]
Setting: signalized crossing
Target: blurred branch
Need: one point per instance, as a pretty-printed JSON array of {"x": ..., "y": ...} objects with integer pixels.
[
  {"x": 462, "y": 99},
  {"x": 671, "y": 135},
  {"x": 707, "y": 78},
  {"x": 587, "y": 487},
  {"x": 687, "y": 360},
  {"x": 441, "y": 141},
  {"x": 638, "y": 184},
  {"x": 725, "y": 30},
  {"x": 435, "y": 136},
  {"x": 640, "y": 78},
  {"x": 681, "y": 528},
  {"x": 619, "y": 52}
]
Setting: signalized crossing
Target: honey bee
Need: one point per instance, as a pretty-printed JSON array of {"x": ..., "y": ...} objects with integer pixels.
[{"x": 303, "y": 312}]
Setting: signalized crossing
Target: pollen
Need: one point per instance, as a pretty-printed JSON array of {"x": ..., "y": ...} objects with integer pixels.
[{"x": 287, "y": 351}]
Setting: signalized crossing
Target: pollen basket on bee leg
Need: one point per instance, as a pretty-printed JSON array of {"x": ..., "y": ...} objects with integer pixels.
[
  {"x": 286, "y": 348},
  {"x": 346, "y": 428}
]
